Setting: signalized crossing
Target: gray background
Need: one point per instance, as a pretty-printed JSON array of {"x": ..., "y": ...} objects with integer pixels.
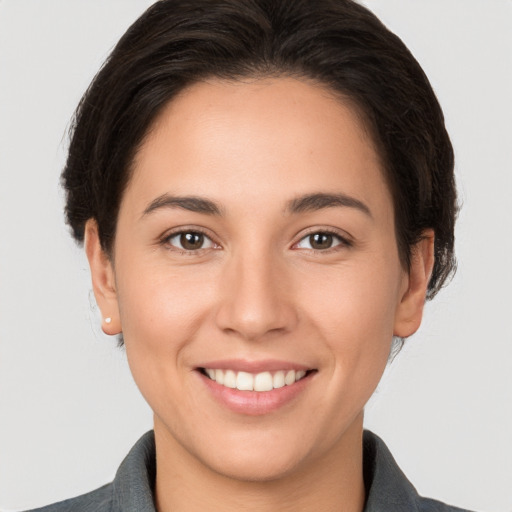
[{"x": 69, "y": 411}]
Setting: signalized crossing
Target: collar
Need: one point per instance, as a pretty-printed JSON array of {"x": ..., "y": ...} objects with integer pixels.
[
  {"x": 133, "y": 485},
  {"x": 387, "y": 487}
]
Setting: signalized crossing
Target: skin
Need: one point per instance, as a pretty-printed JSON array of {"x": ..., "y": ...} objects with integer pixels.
[{"x": 259, "y": 290}]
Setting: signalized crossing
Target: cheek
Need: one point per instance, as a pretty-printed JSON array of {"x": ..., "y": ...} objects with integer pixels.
[
  {"x": 360, "y": 299},
  {"x": 162, "y": 308},
  {"x": 354, "y": 312},
  {"x": 155, "y": 295}
]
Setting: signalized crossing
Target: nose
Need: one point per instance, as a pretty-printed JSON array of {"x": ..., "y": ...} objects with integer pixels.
[{"x": 256, "y": 298}]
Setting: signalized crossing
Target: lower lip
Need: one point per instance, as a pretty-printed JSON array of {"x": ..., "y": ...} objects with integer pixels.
[{"x": 255, "y": 403}]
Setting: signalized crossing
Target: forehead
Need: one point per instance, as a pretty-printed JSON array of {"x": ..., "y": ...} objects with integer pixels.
[{"x": 277, "y": 137}]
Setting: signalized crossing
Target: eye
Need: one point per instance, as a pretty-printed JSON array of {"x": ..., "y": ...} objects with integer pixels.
[
  {"x": 321, "y": 241},
  {"x": 190, "y": 241}
]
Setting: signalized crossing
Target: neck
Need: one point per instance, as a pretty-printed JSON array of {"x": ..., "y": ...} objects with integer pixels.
[{"x": 332, "y": 482}]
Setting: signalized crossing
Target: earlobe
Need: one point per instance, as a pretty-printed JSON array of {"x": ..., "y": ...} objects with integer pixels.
[
  {"x": 410, "y": 309},
  {"x": 103, "y": 279}
]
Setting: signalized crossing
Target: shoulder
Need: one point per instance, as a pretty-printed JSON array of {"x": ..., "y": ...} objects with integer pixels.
[
  {"x": 429, "y": 505},
  {"x": 387, "y": 487},
  {"x": 99, "y": 500},
  {"x": 131, "y": 489}
]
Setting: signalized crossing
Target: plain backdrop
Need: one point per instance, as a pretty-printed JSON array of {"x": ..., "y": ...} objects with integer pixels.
[{"x": 69, "y": 411}]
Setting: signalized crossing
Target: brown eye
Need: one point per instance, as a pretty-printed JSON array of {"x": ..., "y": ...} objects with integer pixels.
[
  {"x": 321, "y": 241},
  {"x": 190, "y": 241}
]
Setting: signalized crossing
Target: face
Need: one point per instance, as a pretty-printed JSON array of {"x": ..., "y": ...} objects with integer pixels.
[{"x": 256, "y": 277}]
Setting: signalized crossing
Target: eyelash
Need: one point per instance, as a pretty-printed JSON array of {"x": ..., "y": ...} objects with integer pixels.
[
  {"x": 166, "y": 241},
  {"x": 342, "y": 241}
]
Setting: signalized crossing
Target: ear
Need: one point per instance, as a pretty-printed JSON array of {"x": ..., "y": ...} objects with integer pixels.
[
  {"x": 410, "y": 309},
  {"x": 103, "y": 279}
]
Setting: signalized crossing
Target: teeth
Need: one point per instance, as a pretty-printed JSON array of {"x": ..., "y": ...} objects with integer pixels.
[
  {"x": 289, "y": 378},
  {"x": 244, "y": 381},
  {"x": 278, "y": 380},
  {"x": 263, "y": 381},
  {"x": 219, "y": 376},
  {"x": 229, "y": 378}
]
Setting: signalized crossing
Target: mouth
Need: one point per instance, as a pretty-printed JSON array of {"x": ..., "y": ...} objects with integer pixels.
[
  {"x": 260, "y": 382},
  {"x": 256, "y": 387}
]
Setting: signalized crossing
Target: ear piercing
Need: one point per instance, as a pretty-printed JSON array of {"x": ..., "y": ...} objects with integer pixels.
[{"x": 108, "y": 320}]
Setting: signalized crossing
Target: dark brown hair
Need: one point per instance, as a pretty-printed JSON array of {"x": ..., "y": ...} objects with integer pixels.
[{"x": 337, "y": 43}]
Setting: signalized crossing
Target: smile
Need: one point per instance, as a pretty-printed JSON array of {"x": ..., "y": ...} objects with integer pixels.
[
  {"x": 263, "y": 381},
  {"x": 255, "y": 388}
]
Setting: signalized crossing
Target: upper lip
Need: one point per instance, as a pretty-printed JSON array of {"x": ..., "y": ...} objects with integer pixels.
[{"x": 244, "y": 365}]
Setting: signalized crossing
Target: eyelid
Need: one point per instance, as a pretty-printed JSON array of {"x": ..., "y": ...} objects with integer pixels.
[
  {"x": 344, "y": 238},
  {"x": 166, "y": 237}
]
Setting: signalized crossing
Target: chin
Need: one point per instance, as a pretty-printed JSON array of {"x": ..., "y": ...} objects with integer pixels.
[
  {"x": 254, "y": 454},
  {"x": 258, "y": 466}
]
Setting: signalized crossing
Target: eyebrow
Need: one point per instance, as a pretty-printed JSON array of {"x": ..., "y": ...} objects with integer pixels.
[
  {"x": 319, "y": 201},
  {"x": 190, "y": 203},
  {"x": 305, "y": 203}
]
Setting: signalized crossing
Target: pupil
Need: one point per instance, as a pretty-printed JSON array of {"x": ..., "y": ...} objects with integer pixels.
[
  {"x": 320, "y": 240},
  {"x": 191, "y": 241}
]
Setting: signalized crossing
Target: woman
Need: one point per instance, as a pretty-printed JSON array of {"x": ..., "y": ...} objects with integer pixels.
[{"x": 265, "y": 193}]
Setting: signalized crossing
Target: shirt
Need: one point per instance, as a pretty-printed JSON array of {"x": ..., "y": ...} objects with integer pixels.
[{"x": 388, "y": 490}]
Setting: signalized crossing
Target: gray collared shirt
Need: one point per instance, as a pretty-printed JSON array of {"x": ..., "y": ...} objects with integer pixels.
[{"x": 388, "y": 490}]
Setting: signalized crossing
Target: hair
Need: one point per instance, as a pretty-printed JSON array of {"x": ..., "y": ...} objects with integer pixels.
[{"x": 337, "y": 43}]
